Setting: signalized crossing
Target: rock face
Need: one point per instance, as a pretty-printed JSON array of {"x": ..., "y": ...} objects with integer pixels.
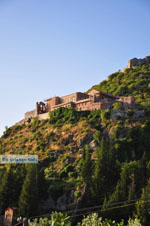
[
  {"x": 123, "y": 114},
  {"x": 85, "y": 140},
  {"x": 93, "y": 144},
  {"x": 48, "y": 204},
  {"x": 60, "y": 204},
  {"x": 118, "y": 113}
]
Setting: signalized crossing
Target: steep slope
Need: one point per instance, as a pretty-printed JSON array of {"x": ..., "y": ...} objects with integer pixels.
[
  {"x": 85, "y": 158},
  {"x": 133, "y": 81}
]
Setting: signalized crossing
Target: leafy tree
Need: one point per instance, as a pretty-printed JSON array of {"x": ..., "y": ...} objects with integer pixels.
[
  {"x": 56, "y": 219},
  {"x": 41, "y": 222},
  {"x": 94, "y": 220}
]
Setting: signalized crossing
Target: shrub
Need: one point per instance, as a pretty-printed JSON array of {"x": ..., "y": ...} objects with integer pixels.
[
  {"x": 130, "y": 112},
  {"x": 118, "y": 106},
  {"x": 62, "y": 116},
  {"x": 105, "y": 115},
  {"x": 56, "y": 220},
  {"x": 35, "y": 124},
  {"x": 77, "y": 194}
]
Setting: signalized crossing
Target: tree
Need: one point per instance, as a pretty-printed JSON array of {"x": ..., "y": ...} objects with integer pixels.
[
  {"x": 106, "y": 171},
  {"x": 143, "y": 205},
  {"x": 124, "y": 193},
  {"x": 57, "y": 219},
  {"x": 86, "y": 167},
  {"x": 28, "y": 201},
  {"x": 7, "y": 188}
]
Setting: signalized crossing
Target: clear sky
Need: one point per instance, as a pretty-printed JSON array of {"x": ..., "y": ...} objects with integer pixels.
[{"x": 57, "y": 47}]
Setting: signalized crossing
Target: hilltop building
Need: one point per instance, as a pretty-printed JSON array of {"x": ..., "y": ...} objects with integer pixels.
[
  {"x": 81, "y": 102},
  {"x": 135, "y": 62}
]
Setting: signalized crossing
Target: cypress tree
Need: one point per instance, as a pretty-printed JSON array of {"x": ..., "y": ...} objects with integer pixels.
[
  {"x": 143, "y": 206},
  {"x": 86, "y": 168},
  {"x": 106, "y": 171},
  {"x": 7, "y": 188},
  {"x": 28, "y": 201}
]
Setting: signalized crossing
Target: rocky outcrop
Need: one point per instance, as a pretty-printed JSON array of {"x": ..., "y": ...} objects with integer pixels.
[
  {"x": 60, "y": 204},
  {"x": 85, "y": 139}
]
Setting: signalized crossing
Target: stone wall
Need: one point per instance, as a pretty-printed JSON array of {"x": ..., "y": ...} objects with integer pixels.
[
  {"x": 43, "y": 116},
  {"x": 52, "y": 102},
  {"x": 30, "y": 114},
  {"x": 135, "y": 62}
]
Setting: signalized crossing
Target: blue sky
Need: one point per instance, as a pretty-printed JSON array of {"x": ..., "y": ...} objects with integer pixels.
[{"x": 57, "y": 47}]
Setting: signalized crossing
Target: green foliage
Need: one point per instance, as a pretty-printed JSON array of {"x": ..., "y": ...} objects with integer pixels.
[
  {"x": 106, "y": 171},
  {"x": 86, "y": 166},
  {"x": 77, "y": 194},
  {"x": 105, "y": 115},
  {"x": 60, "y": 219},
  {"x": 118, "y": 106},
  {"x": 129, "y": 182},
  {"x": 10, "y": 177},
  {"x": 94, "y": 220},
  {"x": 91, "y": 220},
  {"x": 41, "y": 222},
  {"x": 35, "y": 124},
  {"x": 134, "y": 222},
  {"x": 94, "y": 118},
  {"x": 135, "y": 82},
  {"x": 62, "y": 116},
  {"x": 66, "y": 170},
  {"x": 98, "y": 136},
  {"x": 28, "y": 201},
  {"x": 130, "y": 112},
  {"x": 57, "y": 219},
  {"x": 7, "y": 188},
  {"x": 143, "y": 205},
  {"x": 7, "y": 132},
  {"x": 117, "y": 171}
]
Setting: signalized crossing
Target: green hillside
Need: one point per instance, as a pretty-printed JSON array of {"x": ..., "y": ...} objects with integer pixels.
[
  {"x": 86, "y": 159},
  {"x": 133, "y": 81}
]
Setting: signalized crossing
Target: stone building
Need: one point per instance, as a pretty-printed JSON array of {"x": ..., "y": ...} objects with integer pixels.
[
  {"x": 81, "y": 102},
  {"x": 9, "y": 217},
  {"x": 135, "y": 62}
]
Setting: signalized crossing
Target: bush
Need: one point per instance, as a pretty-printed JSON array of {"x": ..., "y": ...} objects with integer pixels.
[
  {"x": 94, "y": 220},
  {"x": 77, "y": 194},
  {"x": 57, "y": 219},
  {"x": 105, "y": 115},
  {"x": 35, "y": 124},
  {"x": 130, "y": 112},
  {"x": 118, "y": 106},
  {"x": 62, "y": 116}
]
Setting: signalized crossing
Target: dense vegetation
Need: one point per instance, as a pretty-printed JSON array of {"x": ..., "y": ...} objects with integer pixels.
[
  {"x": 104, "y": 162},
  {"x": 57, "y": 219},
  {"x": 133, "y": 81}
]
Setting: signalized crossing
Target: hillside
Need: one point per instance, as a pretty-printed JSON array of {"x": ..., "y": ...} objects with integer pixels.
[
  {"x": 87, "y": 158},
  {"x": 133, "y": 81}
]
